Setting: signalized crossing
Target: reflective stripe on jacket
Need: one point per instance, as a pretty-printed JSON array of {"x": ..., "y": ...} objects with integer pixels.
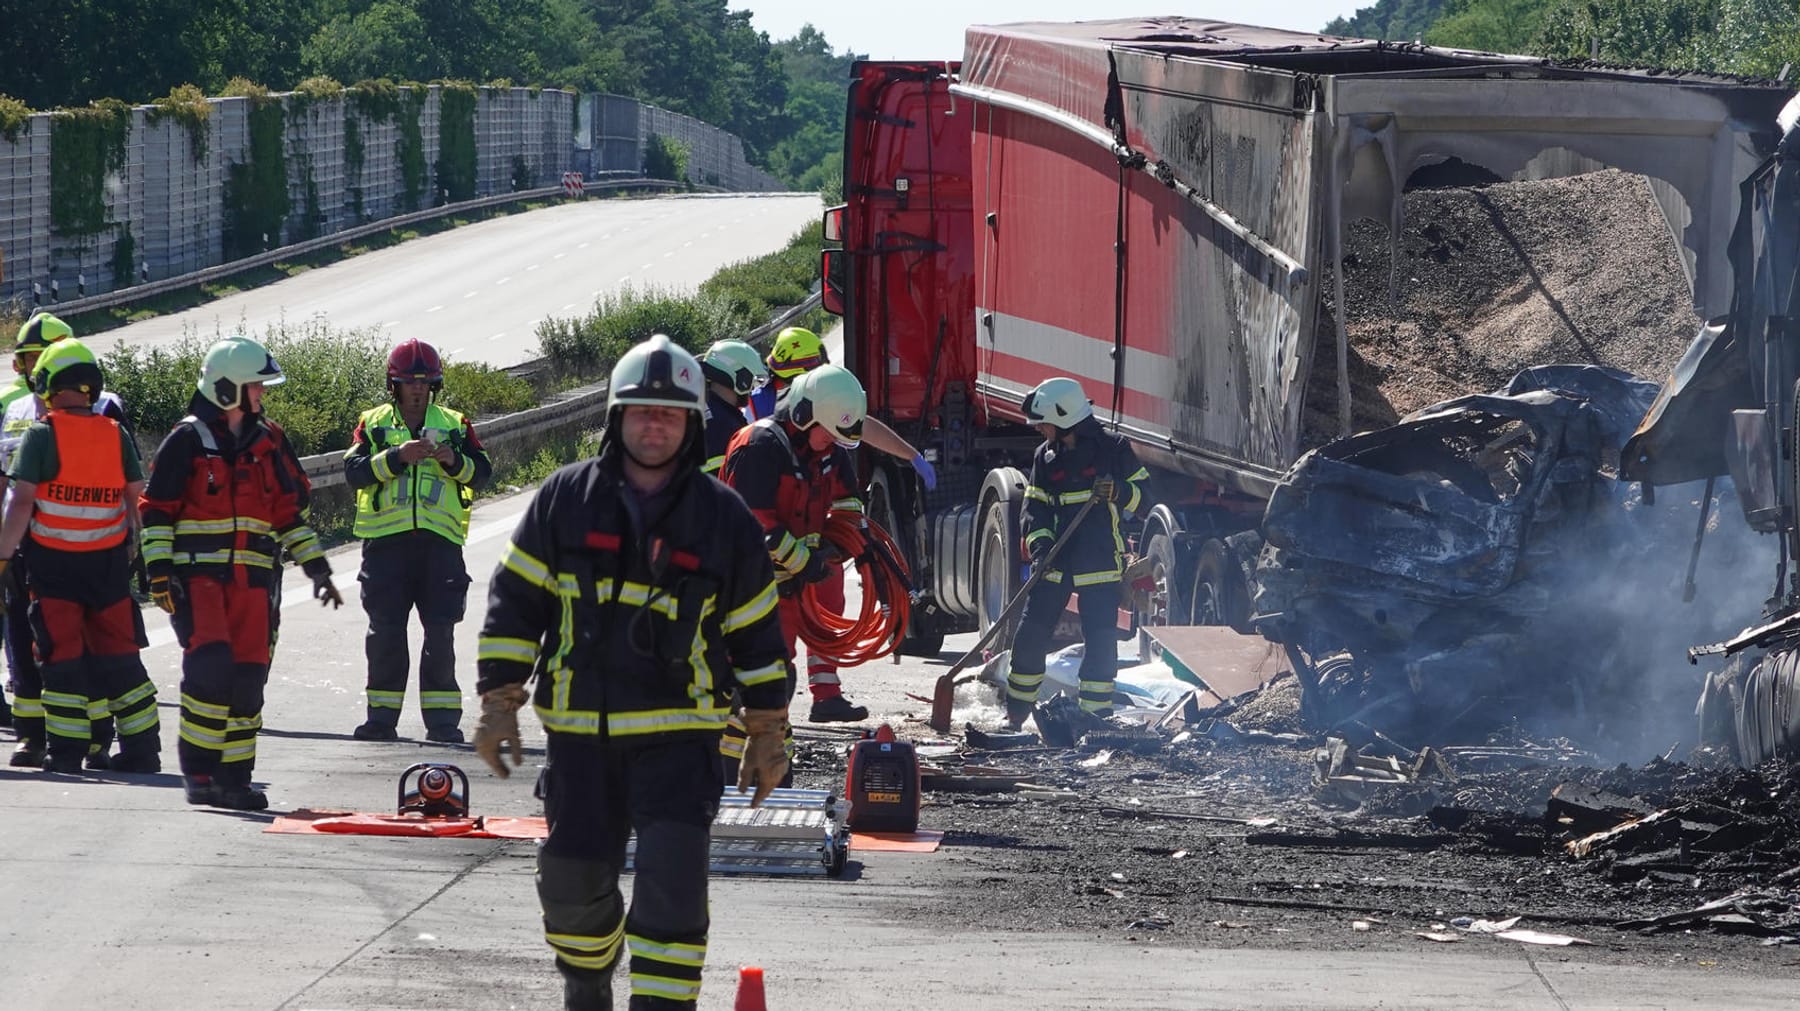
[
  {"x": 1062, "y": 479},
  {"x": 83, "y": 507},
  {"x": 790, "y": 489},
  {"x": 638, "y": 618},
  {"x": 420, "y": 496},
  {"x": 213, "y": 504}
]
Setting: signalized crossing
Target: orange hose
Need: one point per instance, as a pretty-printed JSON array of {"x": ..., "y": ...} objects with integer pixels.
[{"x": 878, "y": 627}]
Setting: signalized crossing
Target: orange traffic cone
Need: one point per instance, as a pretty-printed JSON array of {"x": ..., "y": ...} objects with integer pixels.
[{"x": 750, "y": 990}]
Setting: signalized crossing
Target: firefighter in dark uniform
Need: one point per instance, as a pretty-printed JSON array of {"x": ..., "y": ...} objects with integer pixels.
[
  {"x": 794, "y": 471},
  {"x": 27, "y": 711},
  {"x": 637, "y": 591},
  {"x": 415, "y": 465},
  {"x": 1078, "y": 461},
  {"x": 734, "y": 371},
  {"x": 227, "y": 496},
  {"x": 76, "y": 479}
]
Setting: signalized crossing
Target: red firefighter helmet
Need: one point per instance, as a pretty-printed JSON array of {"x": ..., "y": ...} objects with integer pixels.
[{"x": 413, "y": 360}]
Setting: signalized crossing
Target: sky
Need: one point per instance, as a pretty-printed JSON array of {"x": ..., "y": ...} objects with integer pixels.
[{"x": 933, "y": 29}]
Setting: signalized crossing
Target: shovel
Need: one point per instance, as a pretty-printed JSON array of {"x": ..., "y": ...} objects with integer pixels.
[{"x": 943, "y": 694}]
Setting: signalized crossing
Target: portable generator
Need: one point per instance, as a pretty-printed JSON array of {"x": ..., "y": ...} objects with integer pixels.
[{"x": 882, "y": 784}]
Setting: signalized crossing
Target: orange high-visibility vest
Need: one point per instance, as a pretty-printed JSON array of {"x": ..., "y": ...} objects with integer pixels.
[{"x": 83, "y": 507}]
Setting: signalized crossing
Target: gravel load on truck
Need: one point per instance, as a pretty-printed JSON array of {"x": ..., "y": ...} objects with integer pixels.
[{"x": 1488, "y": 280}]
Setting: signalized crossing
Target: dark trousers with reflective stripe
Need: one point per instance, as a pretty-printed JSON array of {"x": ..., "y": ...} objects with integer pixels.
[
  {"x": 595, "y": 795},
  {"x": 1099, "y": 607},
  {"x": 21, "y": 661},
  {"x": 224, "y": 625},
  {"x": 417, "y": 570},
  {"x": 88, "y": 631}
]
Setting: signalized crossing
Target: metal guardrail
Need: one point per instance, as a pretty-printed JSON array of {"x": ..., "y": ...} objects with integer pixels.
[
  {"x": 123, "y": 296},
  {"x": 585, "y": 405}
]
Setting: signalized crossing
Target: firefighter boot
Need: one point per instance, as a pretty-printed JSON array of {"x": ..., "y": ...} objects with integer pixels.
[
  {"x": 28, "y": 755},
  {"x": 836, "y": 709},
  {"x": 97, "y": 759},
  {"x": 586, "y": 991},
  {"x": 451, "y": 734},
  {"x": 375, "y": 731},
  {"x": 67, "y": 763},
  {"x": 199, "y": 789},
  {"x": 140, "y": 753},
  {"x": 232, "y": 789},
  {"x": 1016, "y": 712}
]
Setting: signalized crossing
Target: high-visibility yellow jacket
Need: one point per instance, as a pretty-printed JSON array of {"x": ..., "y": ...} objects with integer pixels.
[{"x": 393, "y": 497}]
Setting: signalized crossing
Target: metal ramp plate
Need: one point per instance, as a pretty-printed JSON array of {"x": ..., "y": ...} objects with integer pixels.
[{"x": 794, "y": 832}]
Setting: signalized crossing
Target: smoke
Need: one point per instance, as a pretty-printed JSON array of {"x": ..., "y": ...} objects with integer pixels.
[{"x": 1619, "y": 628}]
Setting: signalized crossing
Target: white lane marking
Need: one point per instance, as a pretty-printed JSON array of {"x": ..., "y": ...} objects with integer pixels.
[
  {"x": 684, "y": 245},
  {"x": 435, "y": 308},
  {"x": 668, "y": 254},
  {"x": 644, "y": 266},
  {"x": 297, "y": 591},
  {"x": 502, "y": 281},
  {"x": 498, "y": 336},
  {"x": 566, "y": 307},
  {"x": 559, "y": 256},
  {"x": 389, "y": 323},
  {"x": 582, "y": 246},
  {"x": 531, "y": 268},
  {"x": 470, "y": 294},
  {"x": 453, "y": 352},
  {"x": 706, "y": 235}
]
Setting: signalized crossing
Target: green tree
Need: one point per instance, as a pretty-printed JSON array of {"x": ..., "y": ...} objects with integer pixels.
[
  {"x": 1393, "y": 20},
  {"x": 1494, "y": 26}
]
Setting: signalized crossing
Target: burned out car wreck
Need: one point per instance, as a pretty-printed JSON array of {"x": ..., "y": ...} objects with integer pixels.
[{"x": 1444, "y": 575}]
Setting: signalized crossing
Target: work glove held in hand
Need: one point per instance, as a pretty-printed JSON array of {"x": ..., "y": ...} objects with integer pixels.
[
  {"x": 162, "y": 591},
  {"x": 817, "y": 567},
  {"x": 499, "y": 724},
  {"x": 765, "y": 761},
  {"x": 1105, "y": 489},
  {"x": 326, "y": 593}
]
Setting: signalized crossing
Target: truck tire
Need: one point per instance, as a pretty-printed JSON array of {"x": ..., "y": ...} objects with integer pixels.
[
  {"x": 1220, "y": 596},
  {"x": 997, "y": 568},
  {"x": 917, "y": 641},
  {"x": 1169, "y": 604}
]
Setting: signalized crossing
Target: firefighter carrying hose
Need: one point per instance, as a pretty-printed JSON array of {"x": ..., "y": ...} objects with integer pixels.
[
  {"x": 637, "y": 590},
  {"x": 793, "y": 470},
  {"x": 734, "y": 372},
  {"x": 75, "y": 480},
  {"x": 227, "y": 495},
  {"x": 415, "y": 465},
  {"x": 1079, "y": 460}
]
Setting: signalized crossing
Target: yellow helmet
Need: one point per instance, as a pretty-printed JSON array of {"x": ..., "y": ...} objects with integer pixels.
[
  {"x": 67, "y": 365},
  {"x": 796, "y": 350},
  {"x": 39, "y": 332}
]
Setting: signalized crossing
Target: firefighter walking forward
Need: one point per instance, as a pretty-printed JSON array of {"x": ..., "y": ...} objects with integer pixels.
[
  {"x": 1079, "y": 460},
  {"x": 794, "y": 472},
  {"x": 75, "y": 482},
  {"x": 637, "y": 591},
  {"x": 415, "y": 465},
  {"x": 226, "y": 496}
]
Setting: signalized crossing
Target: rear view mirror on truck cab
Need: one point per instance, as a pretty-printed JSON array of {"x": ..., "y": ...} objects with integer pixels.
[
  {"x": 834, "y": 223},
  {"x": 831, "y": 271}
]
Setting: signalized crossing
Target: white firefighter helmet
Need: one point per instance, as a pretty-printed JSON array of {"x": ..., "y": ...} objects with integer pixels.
[
  {"x": 1059, "y": 401},
  {"x": 232, "y": 364},
  {"x": 735, "y": 364},
  {"x": 657, "y": 373},
  {"x": 831, "y": 396}
]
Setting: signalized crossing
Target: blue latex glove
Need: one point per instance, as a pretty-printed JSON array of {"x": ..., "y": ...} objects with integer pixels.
[{"x": 927, "y": 473}]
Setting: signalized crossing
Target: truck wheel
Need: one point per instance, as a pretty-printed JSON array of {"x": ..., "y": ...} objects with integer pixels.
[
  {"x": 1220, "y": 596},
  {"x": 1168, "y": 604},
  {"x": 997, "y": 568},
  {"x": 916, "y": 641}
]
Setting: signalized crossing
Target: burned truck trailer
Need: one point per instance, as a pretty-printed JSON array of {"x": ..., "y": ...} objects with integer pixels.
[{"x": 1157, "y": 207}]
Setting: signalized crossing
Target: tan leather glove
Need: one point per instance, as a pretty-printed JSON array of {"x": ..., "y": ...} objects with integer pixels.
[
  {"x": 1105, "y": 489},
  {"x": 765, "y": 761},
  {"x": 499, "y": 724}
]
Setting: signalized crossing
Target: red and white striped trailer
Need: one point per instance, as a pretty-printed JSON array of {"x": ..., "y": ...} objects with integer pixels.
[{"x": 1155, "y": 207}]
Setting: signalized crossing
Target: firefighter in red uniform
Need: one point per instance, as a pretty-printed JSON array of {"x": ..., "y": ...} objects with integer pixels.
[
  {"x": 227, "y": 495},
  {"x": 636, "y": 590},
  {"x": 76, "y": 479},
  {"x": 793, "y": 470},
  {"x": 1078, "y": 461}
]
